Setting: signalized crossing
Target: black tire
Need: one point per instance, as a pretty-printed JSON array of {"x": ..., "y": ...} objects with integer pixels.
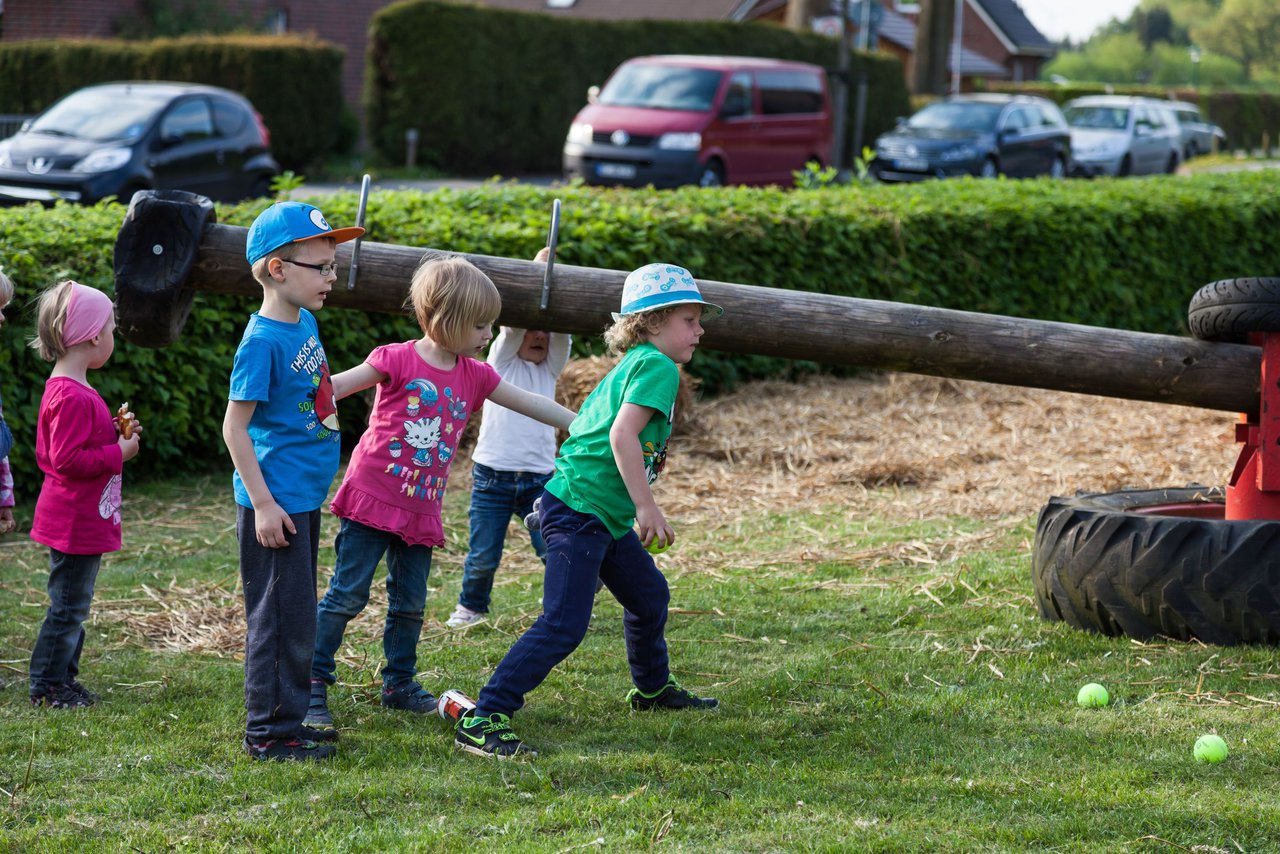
[
  {"x": 712, "y": 174},
  {"x": 155, "y": 250},
  {"x": 260, "y": 188},
  {"x": 1126, "y": 166},
  {"x": 1154, "y": 562},
  {"x": 1228, "y": 310},
  {"x": 1172, "y": 166}
]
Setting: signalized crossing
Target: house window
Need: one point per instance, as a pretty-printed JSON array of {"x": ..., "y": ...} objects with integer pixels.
[
  {"x": 277, "y": 21},
  {"x": 560, "y": 4}
]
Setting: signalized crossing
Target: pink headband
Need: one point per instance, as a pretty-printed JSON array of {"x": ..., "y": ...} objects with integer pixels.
[{"x": 88, "y": 310}]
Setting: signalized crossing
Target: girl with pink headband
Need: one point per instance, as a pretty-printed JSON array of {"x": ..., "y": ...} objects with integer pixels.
[{"x": 81, "y": 448}]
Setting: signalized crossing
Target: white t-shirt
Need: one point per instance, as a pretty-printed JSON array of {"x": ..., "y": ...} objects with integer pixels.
[{"x": 508, "y": 440}]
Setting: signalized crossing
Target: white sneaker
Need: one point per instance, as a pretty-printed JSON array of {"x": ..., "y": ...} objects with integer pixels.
[{"x": 464, "y": 616}]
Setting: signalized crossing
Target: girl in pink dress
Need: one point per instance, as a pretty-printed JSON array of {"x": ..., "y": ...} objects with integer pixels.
[
  {"x": 81, "y": 448},
  {"x": 389, "y": 500}
]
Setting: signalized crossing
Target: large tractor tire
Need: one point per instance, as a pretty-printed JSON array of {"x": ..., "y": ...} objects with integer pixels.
[{"x": 1143, "y": 563}]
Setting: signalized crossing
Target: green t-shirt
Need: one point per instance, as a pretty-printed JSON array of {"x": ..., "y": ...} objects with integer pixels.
[{"x": 587, "y": 477}]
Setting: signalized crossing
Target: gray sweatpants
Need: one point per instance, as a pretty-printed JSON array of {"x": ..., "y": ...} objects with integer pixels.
[{"x": 280, "y": 612}]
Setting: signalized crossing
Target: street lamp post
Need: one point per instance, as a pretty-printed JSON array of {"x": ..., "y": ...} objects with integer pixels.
[{"x": 1195, "y": 53}]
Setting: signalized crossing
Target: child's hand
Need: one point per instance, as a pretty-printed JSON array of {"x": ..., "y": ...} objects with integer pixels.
[
  {"x": 270, "y": 523},
  {"x": 7, "y": 522},
  {"x": 128, "y": 447},
  {"x": 543, "y": 254},
  {"x": 652, "y": 525}
]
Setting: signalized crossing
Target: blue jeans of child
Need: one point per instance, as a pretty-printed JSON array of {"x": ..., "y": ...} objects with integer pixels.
[
  {"x": 55, "y": 659},
  {"x": 496, "y": 496},
  {"x": 581, "y": 550},
  {"x": 360, "y": 548}
]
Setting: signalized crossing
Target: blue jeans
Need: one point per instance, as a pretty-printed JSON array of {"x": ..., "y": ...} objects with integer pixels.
[
  {"x": 55, "y": 659},
  {"x": 359, "y": 549},
  {"x": 581, "y": 550},
  {"x": 496, "y": 496}
]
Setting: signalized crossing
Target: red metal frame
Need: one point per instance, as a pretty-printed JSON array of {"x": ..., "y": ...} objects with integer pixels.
[{"x": 1254, "y": 489}]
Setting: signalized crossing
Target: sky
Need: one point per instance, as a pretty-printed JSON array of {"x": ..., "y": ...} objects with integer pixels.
[{"x": 1076, "y": 19}]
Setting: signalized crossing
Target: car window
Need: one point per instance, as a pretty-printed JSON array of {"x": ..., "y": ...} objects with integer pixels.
[
  {"x": 1051, "y": 116},
  {"x": 1095, "y": 117},
  {"x": 102, "y": 115},
  {"x": 738, "y": 99},
  {"x": 1018, "y": 119},
  {"x": 188, "y": 120},
  {"x": 662, "y": 87},
  {"x": 956, "y": 115},
  {"x": 789, "y": 92},
  {"x": 229, "y": 117}
]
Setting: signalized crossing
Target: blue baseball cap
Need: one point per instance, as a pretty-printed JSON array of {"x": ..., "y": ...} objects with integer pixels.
[
  {"x": 660, "y": 286},
  {"x": 291, "y": 222}
]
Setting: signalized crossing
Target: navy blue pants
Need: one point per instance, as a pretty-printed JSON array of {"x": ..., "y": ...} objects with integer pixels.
[
  {"x": 280, "y": 617},
  {"x": 581, "y": 550}
]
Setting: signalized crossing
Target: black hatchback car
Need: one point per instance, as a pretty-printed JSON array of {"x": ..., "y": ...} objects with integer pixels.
[
  {"x": 114, "y": 139},
  {"x": 983, "y": 135}
]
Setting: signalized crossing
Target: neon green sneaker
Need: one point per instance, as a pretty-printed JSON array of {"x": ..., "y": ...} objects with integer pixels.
[
  {"x": 491, "y": 736},
  {"x": 669, "y": 696}
]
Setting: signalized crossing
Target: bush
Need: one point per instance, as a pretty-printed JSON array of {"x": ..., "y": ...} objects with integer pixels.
[{"x": 1125, "y": 254}]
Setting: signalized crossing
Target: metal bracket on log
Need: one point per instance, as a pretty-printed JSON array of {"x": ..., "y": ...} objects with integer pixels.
[{"x": 785, "y": 323}]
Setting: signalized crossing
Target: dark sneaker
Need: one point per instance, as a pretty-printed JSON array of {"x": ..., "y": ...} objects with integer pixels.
[
  {"x": 318, "y": 716},
  {"x": 288, "y": 750},
  {"x": 491, "y": 736},
  {"x": 83, "y": 691},
  {"x": 409, "y": 697},
  {"x": 63, "y": 696},
  {"x": 309, "y": 733},
  {"x": 669, "y": 696}
]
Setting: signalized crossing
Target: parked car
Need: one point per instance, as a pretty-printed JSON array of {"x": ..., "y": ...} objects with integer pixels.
[
  {"x": 114, "y": 139},
  {"x": 708, "y": 120},
  {"x": 983, "y": 135},
  {"x": 1199, "y": 136},
  {"x": 1123, "y": 135}
]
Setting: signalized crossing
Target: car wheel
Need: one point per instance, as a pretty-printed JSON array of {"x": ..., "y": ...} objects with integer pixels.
[
  {"x": 1154, "y": 562},
  {"x": 712, "y": 174},
  {"x": 989, "y": 168},
  {"x": 125, "y": 194},
  {"x": 1058, "y": 169},
  {"x": 1126, "y": 166},
  {"x": 1172, "y": 165},
  {"x": 261, "y": 187}
]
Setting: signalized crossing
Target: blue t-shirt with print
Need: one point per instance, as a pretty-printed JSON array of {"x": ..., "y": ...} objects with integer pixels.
[{"x": 294, "y": 427}]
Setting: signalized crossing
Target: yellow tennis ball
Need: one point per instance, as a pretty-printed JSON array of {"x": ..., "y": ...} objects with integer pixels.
[
  {"x": 657, "y": 546},
  {"x": 1093, "y": 696},
  {"x": 1210, "y": 748}
]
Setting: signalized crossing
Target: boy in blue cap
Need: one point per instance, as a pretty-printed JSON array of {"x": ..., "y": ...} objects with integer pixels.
[
  {"x": 616, "y": 447},
  {"x": 281, "y": 428}
]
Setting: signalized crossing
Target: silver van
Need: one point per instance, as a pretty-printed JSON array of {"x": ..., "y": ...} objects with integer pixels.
[{"x": 1123, "y": 135}]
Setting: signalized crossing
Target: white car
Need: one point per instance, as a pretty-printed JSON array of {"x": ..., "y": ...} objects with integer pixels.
[
  {"x": 1198, "y": 135},
  {"x": 1123, "y": 135}
]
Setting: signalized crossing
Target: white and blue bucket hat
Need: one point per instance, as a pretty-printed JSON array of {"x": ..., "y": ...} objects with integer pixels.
[{"x": 661, "y": 286}]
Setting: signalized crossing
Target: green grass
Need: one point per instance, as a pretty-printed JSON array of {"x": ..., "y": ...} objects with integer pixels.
[{"x": 904, "y": 698}]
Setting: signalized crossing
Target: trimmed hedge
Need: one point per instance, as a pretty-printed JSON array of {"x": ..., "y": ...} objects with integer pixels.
[
  {"x": 303, "y": 119},
  {"x": 492, "y": 90},
  {"x": 1125, "y": 254},
  {"x": 1246, "y": 117}
]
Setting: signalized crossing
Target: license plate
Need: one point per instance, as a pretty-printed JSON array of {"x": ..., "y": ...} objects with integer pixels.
[
  {"x": 912, "y": 165},
  {"x": 616, "y": 170}
]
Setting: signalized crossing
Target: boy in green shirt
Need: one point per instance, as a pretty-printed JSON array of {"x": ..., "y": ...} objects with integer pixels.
[{"x": 616, "y": 447}]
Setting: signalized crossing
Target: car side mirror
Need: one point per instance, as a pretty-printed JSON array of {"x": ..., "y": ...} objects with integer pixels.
[
  {"x": 1142, "y": 130},
  {"x": 593, "y": 94}
]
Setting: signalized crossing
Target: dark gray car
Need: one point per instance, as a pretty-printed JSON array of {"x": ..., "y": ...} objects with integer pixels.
[
  {"x": 983, "y": 135},
  {"x": 114, "y": 139}
]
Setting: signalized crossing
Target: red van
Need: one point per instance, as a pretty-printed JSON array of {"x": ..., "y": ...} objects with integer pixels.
[{"x": 707, "y": 120}]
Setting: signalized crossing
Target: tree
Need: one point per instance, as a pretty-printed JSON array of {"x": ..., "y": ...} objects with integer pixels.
[
  {"x": 930, "y": 74},
  {"x": 800, "y": 13},
  {"x": 1247, "y": 31}
]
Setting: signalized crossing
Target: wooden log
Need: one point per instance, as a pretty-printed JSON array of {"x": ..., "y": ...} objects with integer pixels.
[{"x": 818, "y": 327}]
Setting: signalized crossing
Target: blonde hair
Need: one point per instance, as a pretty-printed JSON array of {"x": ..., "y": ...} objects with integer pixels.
[
  {"x": 51, "y": 318},
  {"x": 632, "y": 329},
  {"x": 450, "y": 295},
  {"x": 287, "y": 252},
  {"x": 6, "y": 289}
]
